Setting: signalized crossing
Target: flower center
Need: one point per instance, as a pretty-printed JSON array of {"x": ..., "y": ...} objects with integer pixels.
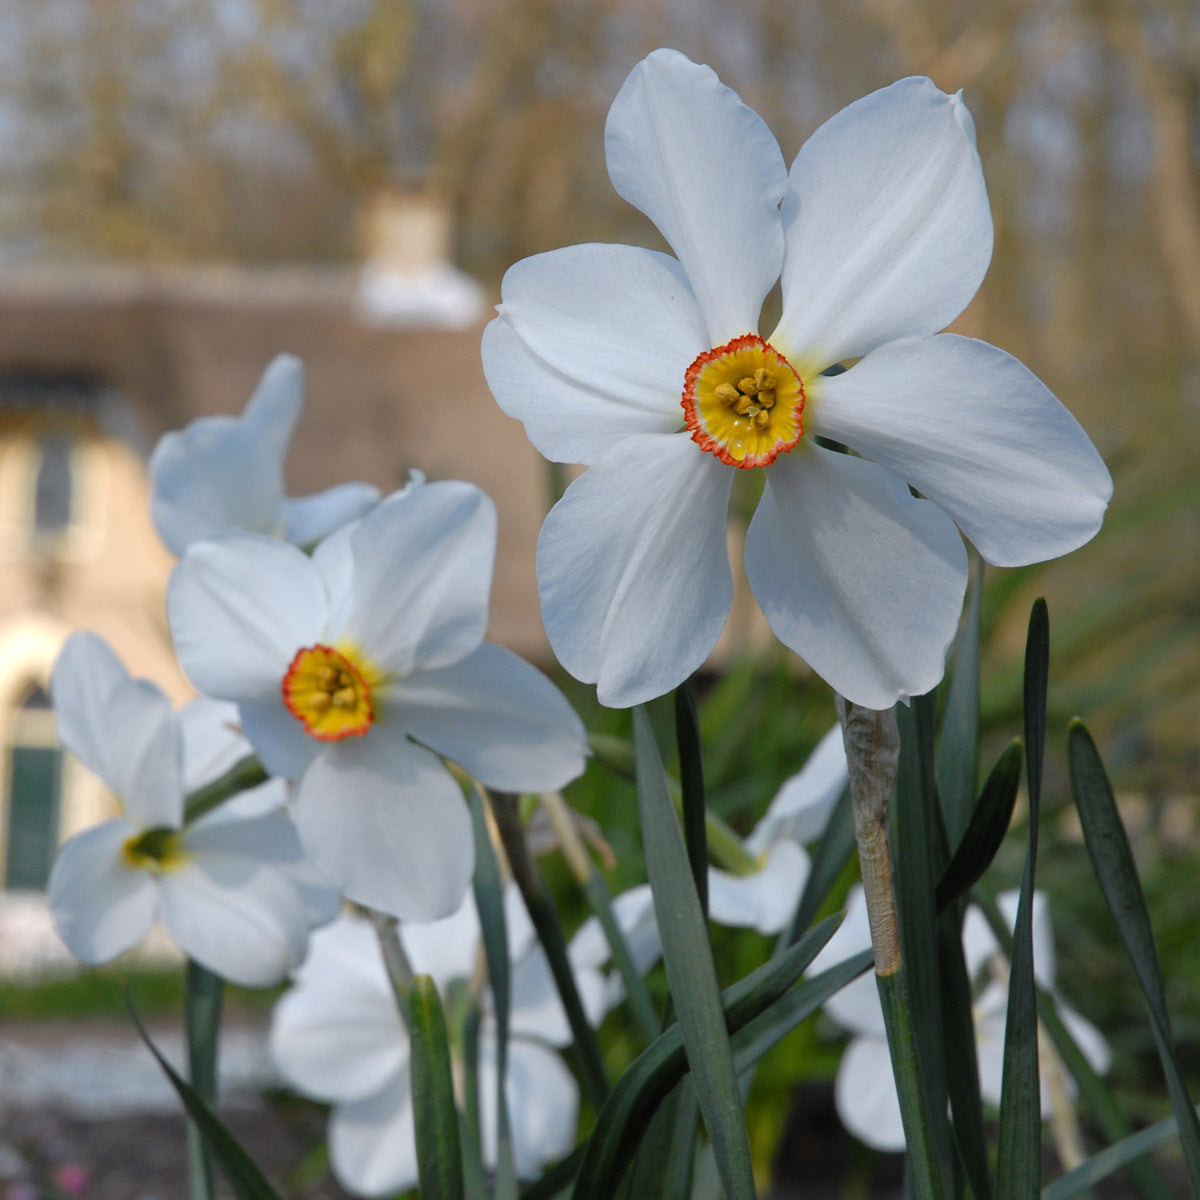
[
  {"x": 154, "y": 849},
  {"x": 743, "y": 402},
  {"x": 328, "y": 693}
]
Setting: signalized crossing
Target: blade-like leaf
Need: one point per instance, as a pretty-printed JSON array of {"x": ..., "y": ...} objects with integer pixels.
[
  {"x": 750, "y": 1006},
  {"x": 665, "y": 1159},
  {"x": 1094, "y": 1095},
  {"x": 1112, "y": 860},
  {"x": 1019, "y": 1149},
  {"x": 691, "y": 781},
  {"x": 1112, "y": 1158},
  {"x": 985, "y": 832},
  {"x": 489, "y": 902},
  {"x": 636, "y": 993},
  {"x": 247, "y": 1181},
  {"x": 687, "y": 956},
  {"x": 916, "y": 1000},
  {"x": 961, "y": 1057},
  {"x": 439, "y": 1160},
  {"x": 202, "y": 1002},
  {"x": 958, "y": 745}
]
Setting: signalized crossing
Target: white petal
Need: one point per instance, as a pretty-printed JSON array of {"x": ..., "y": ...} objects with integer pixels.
[
  {"x": 212, "y": 740},
  {"x": 101, "y": 905},
  {"x": 308, "y": 519},
  {"x": 537, "y": 1010},
  {"x": 336, "y": 1033},
  {"x": 887, "y": 225},
  {"x": 981, "y": 436},
  {"x": 262, "y": 827},
  {"x": 279, "y": 739},
  {"x": 499, "y": 718},
  {"x": 765, "y": 900},
  {"x": 979, "y": 943},
  {"x": 708, "y": 172},
  {"x": 384, "y": 821},
  {"x": 543, "y": 1105},
  {"x": 991, "y": 1019},
  {"x": 239, "y": 610},
  {"x": 633, "y": 568},
  {"x": 865, "y": 1094},
  {"x": 634, "y": 913},
  {"x": 800, "y": 810},
  {"x": 422, "y": 571},
  {"x": 243, "y": 919},
  {"x": 147, "y": 754},
  {"x": 1090, "y": 1040},
  {"x": 856, "y": 1006},
  {"x": 864, "y": 582},
  {"x": 373, "y": 1142},
  {"x": 223, "y": 473},
  {"x": 447, "y": 949},
  {"x": 86, "y": 674},
  {"x": 591, "y": 346}
]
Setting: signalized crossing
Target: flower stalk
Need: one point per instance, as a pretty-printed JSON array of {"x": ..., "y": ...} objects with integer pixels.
[
  {"x": 544, "y": 916},
  {"x": 872, "y": 741},
  {"x": 873, "y": 755}
]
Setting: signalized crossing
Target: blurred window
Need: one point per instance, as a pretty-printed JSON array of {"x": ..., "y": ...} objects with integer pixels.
[{"x": 31, "y": 817}]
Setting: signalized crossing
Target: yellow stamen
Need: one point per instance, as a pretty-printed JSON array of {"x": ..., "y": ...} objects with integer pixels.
[
  {"x": 329, "y": 693},
  {"x": 743, "y": 402}
]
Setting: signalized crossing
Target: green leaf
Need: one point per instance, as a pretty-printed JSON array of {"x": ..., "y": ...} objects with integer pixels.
[
  {"x": 1019, "y": 1149},
  {"x": 247, "y": 1181},
  {"x": 958, "y": 745},
  {"x": 439, "y": 1160},
  {"x": 1112, "y": 860},
  {"x": 687, "y": 956},
  {"x": 915, "y": 995},
  {"x": 765, "y": 1006},
  {"x": 636, "y": 993},
  {"x": 664, "y": 1163},
  {"x": 985, "y": 832},
  {"x": 691, "y": 780},
  {"x": 489, "y": 902},
  {"x": 961, "y": 1057},
  {"x": 1094, "y": 1095},
  {"x": 202, "y": 1001},
  {"x": 1112, "y": 1158}
]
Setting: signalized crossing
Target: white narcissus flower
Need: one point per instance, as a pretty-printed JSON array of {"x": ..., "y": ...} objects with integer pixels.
[
  {"x": 649, "y": 370},
  {"x": 865, "y": 1089},
  {"x": 356, "y": 668},
  {"x": 336, "y": 1036},
  {"x": 231, "y": 889},
  {"x": 224, "y": 473}
]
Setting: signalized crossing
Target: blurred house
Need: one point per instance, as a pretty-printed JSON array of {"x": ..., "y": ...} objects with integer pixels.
[{"x": 97, "y": 361}]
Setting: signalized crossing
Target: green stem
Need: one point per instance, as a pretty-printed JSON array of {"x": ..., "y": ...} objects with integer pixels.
[
  {"x": 246, "y": 773},
  {"x": 544, "y": 916},
  {"x": 395, "y": 960}
]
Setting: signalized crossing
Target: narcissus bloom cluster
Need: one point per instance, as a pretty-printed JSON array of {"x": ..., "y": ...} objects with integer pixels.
[
  {"x": 356, "y": 669},
  {"x": 233, "y": 888},
  {"x": 865, "y": 1088},
  {"x": 651, "y": 370},
  {"x": 337, "y": 1035},
  {"x": 223, "y": 473}
]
